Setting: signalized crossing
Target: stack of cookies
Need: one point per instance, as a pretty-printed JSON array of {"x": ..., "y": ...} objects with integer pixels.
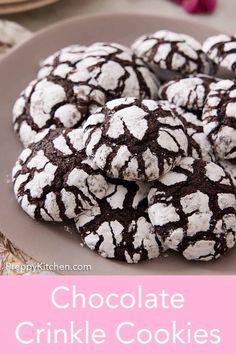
[{"x": 137, "y": 147}]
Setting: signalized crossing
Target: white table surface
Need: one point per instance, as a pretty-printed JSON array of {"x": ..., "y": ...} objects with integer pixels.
[{"x": 223, "y": 18}]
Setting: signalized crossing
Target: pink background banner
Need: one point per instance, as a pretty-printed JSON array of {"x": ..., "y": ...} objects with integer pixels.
[{"x": 109, "y": 314}]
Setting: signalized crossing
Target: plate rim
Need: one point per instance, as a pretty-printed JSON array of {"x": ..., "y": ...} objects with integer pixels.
[{"x": 86, "y": 17}]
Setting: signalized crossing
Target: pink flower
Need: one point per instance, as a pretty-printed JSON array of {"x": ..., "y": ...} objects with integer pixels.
[
  {"x": 208, "y": 5},
  {"x": 192, "y": 5},
  {"x": 197, "y": 6}
]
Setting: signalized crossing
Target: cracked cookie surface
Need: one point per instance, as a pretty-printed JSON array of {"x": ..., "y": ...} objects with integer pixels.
[
  {"x": 177, "y": 53},
  {"x": 222, "y": 50},
  {"x": 117, "y": 71},
  {"x": 53, "y": 179},
  {"x": 199, "y": 146},
  {"x": 133, "y": 139},
  {"x": 119, "y": 228},
  {"x": 230, "y": 169},
  {"x": 73, "y": 88},
  {"x": 67, "y": 57},
  {"x": 219, "y": 118},
  {"x": 54, "y": 101},
  {"x": 193, "y": 210},
  {"x": 188, "y": 92}
]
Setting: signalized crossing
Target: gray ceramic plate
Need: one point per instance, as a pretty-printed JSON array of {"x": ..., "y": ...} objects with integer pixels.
[{"x": 51, "y": 243}]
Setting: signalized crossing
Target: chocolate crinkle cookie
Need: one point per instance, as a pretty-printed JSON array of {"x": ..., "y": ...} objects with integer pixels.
[
  {"x": 199, "y": 146},
  {"x": 67, "y": 57},
  {"x": 54, "y": 101},
  {"x": 134, "y": 139},
  {"x": 188, "y": 92},
  {"x": 111, "y": 67},
  {"x": 115, "y": 70},
  {"x": 11, "y": 33},
  {"x": 119, "y": 228},
  {"x": 222, "y": 50},
  {"x": 71, "y": 92},
  {"x": 193, "y": 210},
  {"x": 173, "y": 54},
  {"x": 219, "y": 118},
  {"x": 53, "y": 179}
]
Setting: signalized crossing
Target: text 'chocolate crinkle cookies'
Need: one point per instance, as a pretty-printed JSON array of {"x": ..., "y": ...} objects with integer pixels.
[
  {"x": 176, "y": 53},
  {"x": 119, "y": 228},
  {"x": 219, "y": 118},
  {"x": 135, "y": 139},
  {"x": 193, "y": 210},
  {"x": 53, "y": 179},
  {"x": 222, "y": 50},
  {"x": 188, "y": 92},
  {"x": 199, "y": 146}
]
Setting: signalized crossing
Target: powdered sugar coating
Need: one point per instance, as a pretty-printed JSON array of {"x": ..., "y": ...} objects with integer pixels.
[
  {"x": 193, "y": 209},
  {"x": 174, "y": 52},
  {"x": 188, "y": 92},
  {"x": 53, "y": 179},
  {"x": 54, "y": 101},
  {"x": 222, "y": 50},
  {"x": 199, "y": 146},
  {"x": 135, "y": 139},
  {"x": 230, "y": 169},
  {"x": 110, "y": 67},
  {"x": 75, "y": 82},
  {"x": 68, "y": 56},
  {"x": 11, "y": 33},
  {"x": 114, "y": 69},
  {"x": 219, "y": 118},
  {"x": 120, "y": 228}
]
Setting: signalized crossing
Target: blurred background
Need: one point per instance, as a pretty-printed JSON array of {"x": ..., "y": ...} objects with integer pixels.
[{"x": 222, "y": 18}]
